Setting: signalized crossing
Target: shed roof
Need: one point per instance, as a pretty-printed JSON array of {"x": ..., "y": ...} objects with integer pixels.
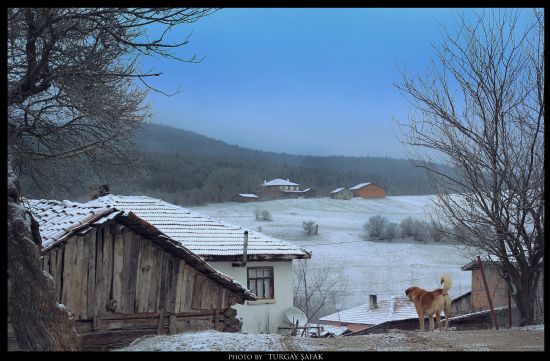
[
  {"x": 359, "y": 186},
  {"x": 279, "y": 182},
  {"x": 58, "y": 220},
  {"x": 203, "y": 235},
  {"x": 248, "y": 195},
  {"x": 389, "y": 309},
  {"x": 337, "y": 190}
]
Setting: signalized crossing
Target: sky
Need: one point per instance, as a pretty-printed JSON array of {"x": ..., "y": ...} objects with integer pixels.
[{"x": 299, "y": 81}]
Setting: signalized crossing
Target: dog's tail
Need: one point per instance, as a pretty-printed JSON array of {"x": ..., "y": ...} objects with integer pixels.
[{"x": 446, "y": 282}]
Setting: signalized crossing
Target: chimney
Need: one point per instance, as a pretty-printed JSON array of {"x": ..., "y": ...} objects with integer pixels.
[
  {"x": 265, "y": 181},
  {"x": 288, "y": 180},
  {"x": 245, "y": 246},
  {"x": 372, "y": 302}
]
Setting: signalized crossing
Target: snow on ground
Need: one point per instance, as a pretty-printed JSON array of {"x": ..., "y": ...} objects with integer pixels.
[
  {"x": 382, "y": 268},
  {"x": 209, "y": 341},
  {"x": 530, "y": 338}
]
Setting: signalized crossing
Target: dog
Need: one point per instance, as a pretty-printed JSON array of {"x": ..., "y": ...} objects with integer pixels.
[{"x": 428, "y": 303}]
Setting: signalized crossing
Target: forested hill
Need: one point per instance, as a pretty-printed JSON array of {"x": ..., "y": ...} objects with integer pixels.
[{"x": 188, "y": 168}]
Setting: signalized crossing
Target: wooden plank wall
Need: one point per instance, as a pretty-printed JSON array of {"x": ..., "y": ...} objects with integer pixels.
[{"x": 113, "y": 272}]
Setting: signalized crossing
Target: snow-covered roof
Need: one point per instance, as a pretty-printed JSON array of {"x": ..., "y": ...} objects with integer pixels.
[
  {"x": 60, "y": 219},
  {"x": 279, "y": 182},
  {"x": 337, "y": 190},
  {"x": 359, "y": 186},
  {"x": 390, "y": 309},
  {"x": 203, "y": 235},
  {"x": 248, "y": 195}
]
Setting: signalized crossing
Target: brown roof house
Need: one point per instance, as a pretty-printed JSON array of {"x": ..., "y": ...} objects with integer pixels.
[
  {"x": 280, "y": 188},
  {"x": 122, "y": 277},
  {"x": 262, "y": 263},
  {"x": 368, "y": 190}
]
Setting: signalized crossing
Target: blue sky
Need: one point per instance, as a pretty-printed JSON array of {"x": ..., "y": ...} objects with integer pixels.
[{"x": 300, "y": 81}]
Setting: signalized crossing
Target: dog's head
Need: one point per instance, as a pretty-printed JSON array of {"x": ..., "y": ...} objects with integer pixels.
[{"x": 409, "y": 292}]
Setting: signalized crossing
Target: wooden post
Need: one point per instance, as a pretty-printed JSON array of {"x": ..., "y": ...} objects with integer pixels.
[
  {"x": 495, "y": 321},
  {"x": 160, "y": 325},
  {"x": 216, "y": 319},
  {"x": 509, "y": 308}
]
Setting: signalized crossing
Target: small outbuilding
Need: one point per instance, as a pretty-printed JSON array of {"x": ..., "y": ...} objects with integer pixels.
[
  {"x": 341, "y": 193},
  {"x": 368, "y": 190},
  {"x": 246, "y": 197},
  {"x": 122, "y": 278}
]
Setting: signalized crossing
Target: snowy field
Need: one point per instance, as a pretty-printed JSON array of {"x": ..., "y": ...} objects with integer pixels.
[{"x": 382, "y": 268}]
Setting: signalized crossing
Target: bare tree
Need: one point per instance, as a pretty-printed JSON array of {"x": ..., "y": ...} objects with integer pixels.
[
  {"x": 72, "y": 104},
  {"x": 313, "y": 288},
  {"x": 480, "y": 110}
]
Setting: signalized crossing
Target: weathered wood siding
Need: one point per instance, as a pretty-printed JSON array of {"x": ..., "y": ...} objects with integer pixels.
[{"x": 112, "y": 278}]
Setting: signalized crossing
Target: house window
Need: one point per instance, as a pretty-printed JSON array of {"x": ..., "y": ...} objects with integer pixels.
[{"x": 260, "y": 281}]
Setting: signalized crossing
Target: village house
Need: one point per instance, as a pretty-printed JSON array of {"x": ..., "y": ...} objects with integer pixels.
[
  {"x": 280, "y": 188},
  {"x": 262, "y": 263},
  {"x": 246, "y": 197},
  {"x": 498, "y": 288},
  {"x": 122, "y": 278},
  {"x": 341, "y": 193},
  {"x": 368, "y": 190},
  {"x": 395, "y": 308}
]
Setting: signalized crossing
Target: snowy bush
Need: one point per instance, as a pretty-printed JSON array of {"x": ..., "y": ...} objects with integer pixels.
[
  {"x": 262, "y": 215},
  {"x": 311, "y": 227},
  {"x": 374, "y": 228}
]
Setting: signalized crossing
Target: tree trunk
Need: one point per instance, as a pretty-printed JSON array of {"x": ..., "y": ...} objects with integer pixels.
[
  {"x": 524, "y": 298},
  {"x": 39, "y": 323}
]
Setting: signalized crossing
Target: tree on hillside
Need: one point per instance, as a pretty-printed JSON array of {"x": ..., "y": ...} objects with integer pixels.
[
  {"x": 72, "y": 104},
  {"x": 481, "y": 111}
]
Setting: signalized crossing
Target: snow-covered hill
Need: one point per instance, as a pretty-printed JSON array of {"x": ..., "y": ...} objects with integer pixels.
[{"x": 382, "y": 268}]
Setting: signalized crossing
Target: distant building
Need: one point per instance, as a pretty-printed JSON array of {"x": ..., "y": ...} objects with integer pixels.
[
  {"x": 280, "y": 188},
  {"x": 368, "y": 190},
  {"x": 373, "y": 313},
  {"x": 341, "y": 193},
  {"x": 246, "y": 197}
]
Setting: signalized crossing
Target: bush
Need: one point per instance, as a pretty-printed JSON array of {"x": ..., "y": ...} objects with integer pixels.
[
  {"x": 262, "y": 215},
  {"x": 374, "y": 228},
  {"x": 391, "y": 231},
  {"x": 311, "y": 227}
]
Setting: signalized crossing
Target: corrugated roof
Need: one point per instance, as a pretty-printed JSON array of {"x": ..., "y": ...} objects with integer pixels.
[
  {"x": 359, "y": 186},
  {"x": 203, "y": 235},
  {"x": 391, "y": 309},
  {"x": 280, "y": 182}
]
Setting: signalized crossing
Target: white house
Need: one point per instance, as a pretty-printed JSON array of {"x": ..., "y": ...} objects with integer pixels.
[{"x": 268, "y": 268}]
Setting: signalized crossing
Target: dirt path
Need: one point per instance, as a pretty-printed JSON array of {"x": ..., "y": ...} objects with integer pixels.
[{"x": 397, "y": 340}]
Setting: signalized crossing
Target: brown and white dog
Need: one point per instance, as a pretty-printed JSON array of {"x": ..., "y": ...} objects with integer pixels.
[{"x": 428, "y": 303}]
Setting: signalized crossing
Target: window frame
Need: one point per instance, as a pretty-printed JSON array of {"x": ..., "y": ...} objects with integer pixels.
[{"x": 271, "y": 280}]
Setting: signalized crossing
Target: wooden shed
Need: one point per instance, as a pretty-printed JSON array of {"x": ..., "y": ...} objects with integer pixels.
[
  {"x": 341, "y": 193},
  {"x": 246, "y": 197},
  {"x": 122, "y": 278},
  {"x": 368, "y": 190}
]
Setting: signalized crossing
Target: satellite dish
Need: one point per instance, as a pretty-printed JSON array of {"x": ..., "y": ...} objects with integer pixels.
[{"x": 292, "y": 314}]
